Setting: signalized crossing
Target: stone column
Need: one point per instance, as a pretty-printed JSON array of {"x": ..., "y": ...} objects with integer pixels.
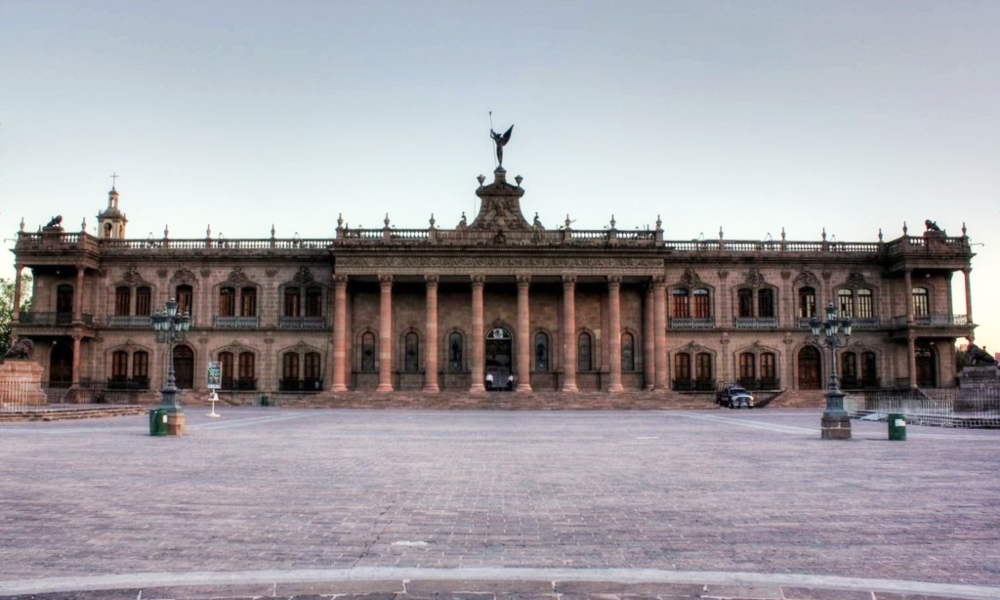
[
  {"x": 431, "y": 341},
  {"x": 78, "y": 299},
  {"x": 569, "y": 334},
  {"x": 477, "y": 348},
  {"x": 968, "y": 300},
  {"x": 911, "y": 360},
  {"x": 340, "y": 362},
  {"x": 17, "y": 291},
  {"x": 76, "y": 360},
  {"x": 385, "y": 336},
  {"x": 660, "y": 333},
  {"x": 648, "y": 346},
  {"x": 523, "y": 335},
  {"x": 615, "y": 334}
]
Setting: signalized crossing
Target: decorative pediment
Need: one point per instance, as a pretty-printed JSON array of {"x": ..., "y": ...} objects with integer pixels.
[
  {"x": 806, "y": 278},
  {"x": 856, "y": 280},
  {"x": 303, "y": 276},
  {"x": 184, "y": 276},
  {"x": 689, "y": 279},
  {"x": 131, "y": 276},
  {"x": 501, "y": 206},
  {"x": 755, "y": 278},
  {"x": 237, "y": 276}
]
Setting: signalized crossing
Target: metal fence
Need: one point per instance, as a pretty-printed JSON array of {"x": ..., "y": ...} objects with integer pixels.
[
  {"x": 952, "y": 407},
  {"x": 15, "y": 396}
]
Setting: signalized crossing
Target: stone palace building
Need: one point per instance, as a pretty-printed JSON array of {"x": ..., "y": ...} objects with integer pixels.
[{"x": 500, "y": 302}]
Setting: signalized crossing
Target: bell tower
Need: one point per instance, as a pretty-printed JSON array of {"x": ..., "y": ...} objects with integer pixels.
[{"x": 111, "y": 222}]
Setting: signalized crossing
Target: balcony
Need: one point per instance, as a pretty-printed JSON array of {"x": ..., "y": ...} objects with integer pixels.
[
  {"x": 301, "y": 323},
  {"x": 932, "y": 320},
  {"x": 755, "y": 322},
  {"x": 309, "y": 384},
  {"x": 135, "y": 384},
  {"x": 236, "y": 322},
  {"x": 51, "y": 319},
  {"x": 691, "y": 323},
  {"x": 241, "y": 384},
  {"x": 137, "y": 321},
  {"x": 859, "y": 323}
]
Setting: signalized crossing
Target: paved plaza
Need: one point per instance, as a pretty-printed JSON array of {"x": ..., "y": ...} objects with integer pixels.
[{"x": 266, "y": 501}]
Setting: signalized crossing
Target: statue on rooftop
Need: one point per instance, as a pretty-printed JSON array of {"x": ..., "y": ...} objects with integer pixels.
[
  {"x": 501, "y": 141},
  {"x": 932, "y": 226},
  {"x": 54, "y": 222}
]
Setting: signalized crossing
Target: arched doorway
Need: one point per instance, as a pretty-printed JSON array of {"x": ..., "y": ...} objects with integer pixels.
[
  {"x": 926, "y": 365},
  {"x": 499, "y": 346},
  {"x": 810, "y": 364},
  {"x": 61, "y": 365},
  {"x": 184, "y": 367}
]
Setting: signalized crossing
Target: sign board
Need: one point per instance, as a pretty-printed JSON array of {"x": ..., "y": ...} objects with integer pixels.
[{"x": 214, "y": 375}]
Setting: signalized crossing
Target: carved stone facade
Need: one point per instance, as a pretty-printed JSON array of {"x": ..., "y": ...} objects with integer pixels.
[{"x": 499, "y": 303}]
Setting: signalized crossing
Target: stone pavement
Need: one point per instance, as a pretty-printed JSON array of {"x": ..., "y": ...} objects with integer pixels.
[{"x": 485, "y": 505}]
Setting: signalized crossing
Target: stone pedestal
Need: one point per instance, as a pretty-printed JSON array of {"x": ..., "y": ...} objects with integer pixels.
[
  {"x": 21, "y": 383},
  {"x": 175, "y": 423},
  {"x": 835, "y": 427}
]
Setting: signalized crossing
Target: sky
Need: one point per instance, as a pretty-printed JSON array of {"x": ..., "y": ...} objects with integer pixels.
[{"x": 749, "y": 117}]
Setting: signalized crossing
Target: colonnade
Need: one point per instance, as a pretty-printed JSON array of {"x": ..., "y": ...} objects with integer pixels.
[{"x": 655, "y": 346}]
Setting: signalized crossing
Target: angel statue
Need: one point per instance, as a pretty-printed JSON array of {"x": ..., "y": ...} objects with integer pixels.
[{"x": 501, "y": 141}]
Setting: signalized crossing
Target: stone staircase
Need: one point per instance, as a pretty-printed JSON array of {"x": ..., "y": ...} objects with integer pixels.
[
  {"x": 63, "y": 412},
  {"x": 799, "y": 399}
]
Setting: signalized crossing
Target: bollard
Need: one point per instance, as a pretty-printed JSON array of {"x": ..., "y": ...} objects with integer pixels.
[{"x": 897, "y": 427}]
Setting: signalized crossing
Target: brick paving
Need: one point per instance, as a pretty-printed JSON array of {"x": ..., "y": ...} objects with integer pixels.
[{"x": 524, "y": 497}]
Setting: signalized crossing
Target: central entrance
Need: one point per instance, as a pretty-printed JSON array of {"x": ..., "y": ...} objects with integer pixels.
[{"x": 499, "y": 344}]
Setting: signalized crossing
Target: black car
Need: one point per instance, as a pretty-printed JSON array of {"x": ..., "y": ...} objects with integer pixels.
[{"x": 733, "y": 396}]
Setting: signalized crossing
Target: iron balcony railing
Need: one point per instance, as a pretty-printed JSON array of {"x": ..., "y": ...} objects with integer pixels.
[
  {"x": 236, "y": 322},
  {"x": 755, "y": 322},
  {"x": 144, "y": 321},
  {"x": 310, "y": 384},
  {"x": 691, "y": 323},
  {"x": 301, "y": 322},
  {"x": 56, "y": 319},
  {"x": 856, "y": 323},
  {"x": 939, "y": 320}
]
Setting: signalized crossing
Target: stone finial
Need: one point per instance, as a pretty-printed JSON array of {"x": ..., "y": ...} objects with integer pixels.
[
  {"x": 83, "y": 225},
  {"x": 568, "y": 222},
  {"x": 963, "y": 229},
  {"x": 22, "y": 224},
  {"x": 481, "y": 179},
  {"x": 166, "y": 231},
  {"x": 432, "y": 221},
  {"x": 782, "y": 234},
  {"x": 208, "y": 231},
  {"x": 386, "y": 220},
  {"x": 904, "y": 228},
  {"x": 613, "y": 222},
  {"x": 880, "y": 235},
  {"x": 659, "y": 223},
  {"x": 340, "y": 220},
  {"x": 824, "y": 234},
  {"x": 272, "y": 231},
  {"x": 518, "y": 179},
  {"x": 720, "y": 233}
]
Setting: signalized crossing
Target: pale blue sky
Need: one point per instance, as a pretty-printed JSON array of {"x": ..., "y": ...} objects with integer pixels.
[{"x": 750, "y": 116}]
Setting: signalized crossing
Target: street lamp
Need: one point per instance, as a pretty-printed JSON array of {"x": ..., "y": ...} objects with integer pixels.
[
  {"x": 170, "y": 328},
  {"x": 835, "y": 425}
]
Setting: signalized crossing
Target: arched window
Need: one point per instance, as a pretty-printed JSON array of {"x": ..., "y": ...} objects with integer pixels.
[
  {"x": 681, "y": 304},
  {"x": 312, "y": 371},
  {"x": 807, "y": 303},
  {"x": 411, "y": 353},
  {"x": 765, "y": 303},
  {"x": 293, "y": 300},
  {"x": 745, "y": 297},
  {"x": 849, "y": 370},
  {"x": 228, "y": 371},
  {"x": 143, "y": 301},
  {"x": 119, "y": 366},
  {"x": 869, "y": 370},
  {"x": 140, "y": 368},
  {"x": 123, "y": 300},
  {"x": 866, "y": 304},
  {"x": 227, "y": 302},
  {"x": 541, "y": 352},
  {"x": 682, "y": 367},
  {"x": 921, "y": 302},
  {"x": 314, "y": 302},
  {"x": 703, "y": 370},
  {"x": 702, "y": 308},
  {"x": 290, "y": 367},
  {"x": 628, "y": 352},
  {"x": 248, "y": 302},
  {"x": 184, "y": 294},
  {"x": 247, "y": 379},
  {"x": 768, "y": 370},
  {"x": 748, "y": 369},
  {"x": 584, "y": 360},
  {"x": 368, "y": 352},
  {"x": 845, "y": 304}
]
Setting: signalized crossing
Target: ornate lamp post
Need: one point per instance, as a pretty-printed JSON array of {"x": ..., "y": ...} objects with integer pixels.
[
  {"x": 170, "y": 328},
  {"x": 835, "y": 425}
]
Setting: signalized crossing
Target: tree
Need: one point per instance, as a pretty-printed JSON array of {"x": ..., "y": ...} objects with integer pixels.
[{"x": 7, "y": 308}]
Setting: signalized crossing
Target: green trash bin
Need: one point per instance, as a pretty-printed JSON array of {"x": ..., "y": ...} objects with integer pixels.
[
  {"x": 157, "y": 421},
  {"x": 897, "y": 427}
]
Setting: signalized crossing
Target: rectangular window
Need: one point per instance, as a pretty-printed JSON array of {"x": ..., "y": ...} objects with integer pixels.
[
  {"x": 228, "y": 374},
  {"x": 921, "y": 302},
  {"x": 248, "y": 302},
  {"x": 866, "y": 308},
  {"x": 119, "y": 365},
  {"x": 845, "y": 304},
  {"x": 314, "y": 302},
  {"x": 227, "y": 302},
  {"x": 682, "y": 307},
  {"x": 312, "y": 365},
  {"x": 703, "y": 367},
  {"x": 292, "y": 301},
  {"x": 807, "y": 303},
  {"x": 140, "y": 365},
  {"x": 183, "y": 294},
  {"x": 682, "y": 367},
  {"x": 768, "y": 366},
  {"x": 290, "y": 366},
  {"x": 123, "y": 301},
  {"x": 143, "y": 301},
  {"x": 745, "y": 303},
  {"x": 702, "y": 305},
  {"x": 765, "y": 303}
]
